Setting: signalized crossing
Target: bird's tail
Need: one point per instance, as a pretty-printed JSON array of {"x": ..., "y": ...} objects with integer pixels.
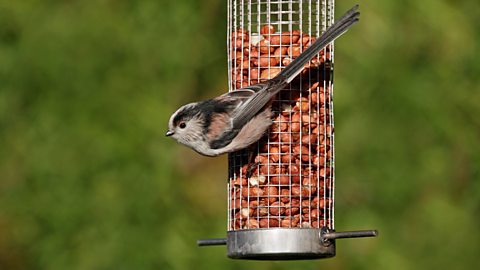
[{"x": 333, "y": 32}]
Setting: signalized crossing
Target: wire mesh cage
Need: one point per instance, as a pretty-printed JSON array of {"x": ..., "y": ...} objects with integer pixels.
[
  {"x": 281, "y": 189},
  {"x": 287, "y": 179}
]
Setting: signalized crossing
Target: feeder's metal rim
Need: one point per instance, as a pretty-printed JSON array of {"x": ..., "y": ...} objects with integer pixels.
[{"x": 279, "y": 244}]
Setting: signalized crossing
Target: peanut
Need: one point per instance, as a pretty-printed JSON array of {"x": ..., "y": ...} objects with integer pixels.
[
  {"x": 246, "y": 212},
  {"x": 286, "y": 61},
  {"x": 262, "y": 159},
  {"x": 280, "y": 53},
  {"x": 284, "y": 38},
  {"x": 252, "y": 224},
  {"x": 295, "y": 122},
  {"x": 285, "y": 195},
  {"x": 294, "y": 51},
  {"x": 280, "y": 180},
  {"x": 277, "y": 208},
  {"x": 267, "y": 30},
  {"x": 274, "y": 154},
  {"x": 309, "y": 139},
  {"x": 269, "y": 73},
  {"x": 265, "y": 61},
  {"x": 239, "y": 182},
  {"x": 265, "y": 47},
  {"x": 302, "y": 105},
  {"x": 253, "y": 191},
  {"x": 272, "y": 193},
  {"x": 257, "y": 180}
]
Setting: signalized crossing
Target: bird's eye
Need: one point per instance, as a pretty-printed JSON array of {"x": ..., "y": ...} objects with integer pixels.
[{"x": 182, "y": 125}]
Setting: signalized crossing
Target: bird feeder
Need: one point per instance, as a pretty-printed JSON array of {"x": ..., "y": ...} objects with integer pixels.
[{"x": 281, "y": 190}]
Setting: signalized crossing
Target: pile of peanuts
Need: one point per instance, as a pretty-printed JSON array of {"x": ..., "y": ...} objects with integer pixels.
[
  {"x": 286, "y": 179},
  {"x": 259, "y": 57}
]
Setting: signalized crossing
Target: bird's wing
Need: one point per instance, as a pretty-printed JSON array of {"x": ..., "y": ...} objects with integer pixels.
[
  {"x": 251, "y": 107},
  {"x": 240, "y": 97}
]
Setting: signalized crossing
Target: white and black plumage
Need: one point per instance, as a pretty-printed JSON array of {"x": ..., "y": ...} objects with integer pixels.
[{"x": 237, "y": 119}]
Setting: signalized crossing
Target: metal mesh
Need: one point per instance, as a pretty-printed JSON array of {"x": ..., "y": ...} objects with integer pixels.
[{"x": 287, "y": 178}]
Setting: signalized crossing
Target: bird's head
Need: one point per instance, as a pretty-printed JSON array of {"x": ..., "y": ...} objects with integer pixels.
[{"x": 186, "y": 125}]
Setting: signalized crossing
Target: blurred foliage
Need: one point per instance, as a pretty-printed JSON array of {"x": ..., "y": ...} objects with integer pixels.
[{"x": 88, "y": 180}]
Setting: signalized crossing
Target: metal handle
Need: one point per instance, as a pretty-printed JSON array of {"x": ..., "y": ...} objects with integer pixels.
[
  {"x": 212, "y": 242},
  {"x": 349, "y": 234}
]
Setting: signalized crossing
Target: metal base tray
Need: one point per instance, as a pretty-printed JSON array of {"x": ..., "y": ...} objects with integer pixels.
[{"x": 279, "y": 244}]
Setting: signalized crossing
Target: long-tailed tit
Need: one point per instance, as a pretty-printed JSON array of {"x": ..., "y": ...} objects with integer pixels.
[{"x": 235, "y": 120}]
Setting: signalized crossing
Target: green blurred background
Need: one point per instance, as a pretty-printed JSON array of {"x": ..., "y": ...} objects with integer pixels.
[{"x": 88, "y": 180}]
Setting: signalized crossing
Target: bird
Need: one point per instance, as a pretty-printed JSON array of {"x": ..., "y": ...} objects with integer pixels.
[{"x": 237, "y": 119}]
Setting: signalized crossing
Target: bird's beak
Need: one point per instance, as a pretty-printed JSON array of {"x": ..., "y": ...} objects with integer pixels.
[{"x": 169, "y": 133}]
